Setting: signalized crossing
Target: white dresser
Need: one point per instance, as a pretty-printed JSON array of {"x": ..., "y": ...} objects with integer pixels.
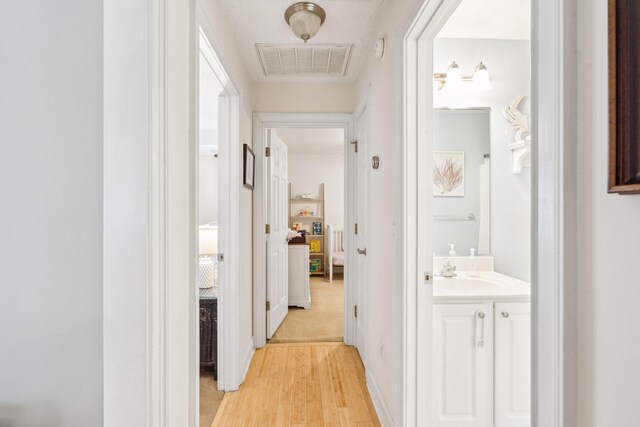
[{"x": 299, "y": 288}]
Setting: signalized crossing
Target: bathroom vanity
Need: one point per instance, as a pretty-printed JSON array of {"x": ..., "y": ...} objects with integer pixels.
[{"x": 481, "y": 351}]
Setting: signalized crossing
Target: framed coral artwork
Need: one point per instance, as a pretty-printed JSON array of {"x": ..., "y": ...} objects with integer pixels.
[{"x": 448, "y": 173}]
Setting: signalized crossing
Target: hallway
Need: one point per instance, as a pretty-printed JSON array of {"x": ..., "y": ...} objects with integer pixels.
[{"x": 319, "y": 384}]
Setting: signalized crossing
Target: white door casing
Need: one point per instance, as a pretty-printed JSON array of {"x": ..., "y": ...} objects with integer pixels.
[
  {"x": 277, "y": 246},
  {"x": 262, "y": 122},
  {"x": 361, "y": 256},
  {"x": 554, "y": 209}
]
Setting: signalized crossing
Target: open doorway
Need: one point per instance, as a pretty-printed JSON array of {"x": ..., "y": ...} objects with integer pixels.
[
  {"x": 481, "y": 216},
  {"x": 315, "y": 200},
  {"x": 209, "y": 228},
  {"x": 270, "y": 201}
]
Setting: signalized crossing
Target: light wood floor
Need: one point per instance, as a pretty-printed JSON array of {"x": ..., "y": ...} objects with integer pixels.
[
  {"x": 323, "y": 322},
  {"x": 312, "y": 384}
]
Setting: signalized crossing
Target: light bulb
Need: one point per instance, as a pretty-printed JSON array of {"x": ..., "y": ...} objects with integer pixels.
[
  {"x": 453, "y": 80},
  {"x": 481, "y": 80}
]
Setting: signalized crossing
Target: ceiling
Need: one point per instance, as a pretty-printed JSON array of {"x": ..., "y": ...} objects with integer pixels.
[
  {"x": 349, "y": 22},
  {"x": 312, "y": 140},
  {"x": 490, "y": 19}
]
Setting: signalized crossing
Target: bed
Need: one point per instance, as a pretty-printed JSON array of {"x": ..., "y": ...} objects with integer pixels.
[{"x": 335, "y": 251}]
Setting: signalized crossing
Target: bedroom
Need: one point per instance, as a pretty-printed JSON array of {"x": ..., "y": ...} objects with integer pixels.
[{"x": 315, "y": 194}]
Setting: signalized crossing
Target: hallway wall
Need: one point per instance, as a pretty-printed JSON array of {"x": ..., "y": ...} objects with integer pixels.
[
  {"x": 608, "y": 248},
  {"x": 304, "y": 97},
  {"x": 51, "y": 217},
  {"x": 382, "y": 339}
]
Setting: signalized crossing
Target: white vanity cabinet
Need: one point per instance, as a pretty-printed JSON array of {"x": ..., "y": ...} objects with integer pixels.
[
  {"x": 481, "y": 364},
  {"x": 512, "y": 364},
  {"x": 461, "y": 357}
]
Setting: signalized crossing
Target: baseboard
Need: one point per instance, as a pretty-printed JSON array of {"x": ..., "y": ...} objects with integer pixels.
[
  {"x": 246, "y": 360},
  {"x": 378, "y": 402}
]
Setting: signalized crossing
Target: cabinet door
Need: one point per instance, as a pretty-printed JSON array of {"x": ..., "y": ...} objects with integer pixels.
[
  {"x": 512, "y": 364},
  {"x": 461, "y": 351}
]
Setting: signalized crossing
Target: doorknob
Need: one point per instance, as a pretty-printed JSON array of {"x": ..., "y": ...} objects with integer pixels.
[{"x": 362, "y": 251}]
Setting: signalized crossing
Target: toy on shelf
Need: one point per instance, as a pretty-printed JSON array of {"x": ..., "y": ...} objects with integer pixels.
[{"x": 314, "y": 246}]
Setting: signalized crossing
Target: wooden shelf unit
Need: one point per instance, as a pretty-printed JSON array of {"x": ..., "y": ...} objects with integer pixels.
[{"x": 316, "y": 203}]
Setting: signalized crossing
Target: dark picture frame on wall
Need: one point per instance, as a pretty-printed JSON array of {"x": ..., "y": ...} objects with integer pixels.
[
  {"x": 248, "y": 167},
  {"x": 624, "y": 96}
]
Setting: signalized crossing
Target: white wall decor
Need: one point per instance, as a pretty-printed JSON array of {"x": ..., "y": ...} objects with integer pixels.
[
  {"x": 521, "y": 148},
  {"x": 448, "y": 173}
]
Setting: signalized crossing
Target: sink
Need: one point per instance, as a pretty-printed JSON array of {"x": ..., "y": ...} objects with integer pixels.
[
  {"x": 489, "y": 284},
  {"x": 465, "y": 284}
]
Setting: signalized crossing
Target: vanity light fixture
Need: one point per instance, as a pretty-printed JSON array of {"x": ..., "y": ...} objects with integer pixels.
[
  {"x": 305, "y": 19},
  {"x": 481, "y": 80},
  {"x": 453, "y": 78}
]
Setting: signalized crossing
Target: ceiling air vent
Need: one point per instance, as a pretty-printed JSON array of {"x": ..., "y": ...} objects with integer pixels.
[{"x": 288, "y": 59}]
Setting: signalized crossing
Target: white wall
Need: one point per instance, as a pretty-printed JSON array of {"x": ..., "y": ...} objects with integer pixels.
[
  {"x": 225, "y": 45},
  {"x": 51, "y": 217},
  {"x": 308, "y": 171},
  {"x": 381, "y": 75},
  {"x": 208, "y": 189},
  {"x": 509, "y": 64},
  {"x": 609, "y": 249},
  {"x": 304, "y": 97}
]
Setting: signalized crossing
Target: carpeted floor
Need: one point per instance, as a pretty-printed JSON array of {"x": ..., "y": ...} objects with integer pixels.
[
  {"x": 210, "y": 399},
  {"x": 323, "y": 322}
]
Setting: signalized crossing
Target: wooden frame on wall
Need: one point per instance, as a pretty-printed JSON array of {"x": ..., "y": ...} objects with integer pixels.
[
  {"x": 624, "y": 91},
  {"x": 248, "y": 167}
]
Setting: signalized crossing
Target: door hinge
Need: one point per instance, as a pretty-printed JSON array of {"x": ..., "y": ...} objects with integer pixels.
[
  {"x": 268, "y": 305},
  {"x": 267, "y": 229},
  {"x": 355, "y": 228},
  {"x": 355, "y": 311},
  {"x": 267, "y": 152},
  {"x": 355, "y": 145}
]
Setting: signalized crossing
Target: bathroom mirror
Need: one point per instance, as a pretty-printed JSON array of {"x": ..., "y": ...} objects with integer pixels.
[{"x": 461, "y": 180}]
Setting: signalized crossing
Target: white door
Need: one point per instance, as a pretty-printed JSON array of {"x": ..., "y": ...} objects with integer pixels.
[
  {"x": 461, "y": 352},
  {"x": 277, "y": 247},
  {"x": 361, "y": 212},
  {"x": 513, "y": 364}
]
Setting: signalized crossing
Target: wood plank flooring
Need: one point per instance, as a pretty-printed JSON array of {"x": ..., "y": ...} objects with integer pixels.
[{"x": 306, "y": 384}]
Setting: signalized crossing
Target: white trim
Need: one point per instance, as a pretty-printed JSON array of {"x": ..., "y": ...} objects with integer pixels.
[
  {"x": 554, "y": 210},
  {"x": 246, "y": 359},
  {"x": 554, "y": 213},
  {"x": 378, "y": 402},
  {"x": 364, "y": 107},
  {"x": 262, "y": 122}
]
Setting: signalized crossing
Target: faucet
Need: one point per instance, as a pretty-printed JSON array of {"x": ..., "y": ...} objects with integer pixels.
[{"x": 448, "y": 269}]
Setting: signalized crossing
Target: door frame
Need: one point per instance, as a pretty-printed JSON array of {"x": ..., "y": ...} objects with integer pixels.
[
  {"x": 553, "y": 209},
  {"x": 150, "y": 309},
  {"x": 229, "y": 364},
  {"x": 262, "y": 122},
  {"x": 364, "y": 107}
]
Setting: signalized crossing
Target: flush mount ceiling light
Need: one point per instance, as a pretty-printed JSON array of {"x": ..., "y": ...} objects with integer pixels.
[
  {"x": 453, "y": 79},
  {"x": 305, "y": 19}
]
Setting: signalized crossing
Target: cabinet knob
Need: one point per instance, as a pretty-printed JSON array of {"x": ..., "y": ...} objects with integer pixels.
[
  {"x": 481, "y": 315},
  {"x": 505, "y": 314}
]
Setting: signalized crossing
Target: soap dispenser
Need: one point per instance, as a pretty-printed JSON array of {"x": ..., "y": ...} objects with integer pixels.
[
  {"x": 473, "y": 265},
  {"x": 452, "y": 249}
]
